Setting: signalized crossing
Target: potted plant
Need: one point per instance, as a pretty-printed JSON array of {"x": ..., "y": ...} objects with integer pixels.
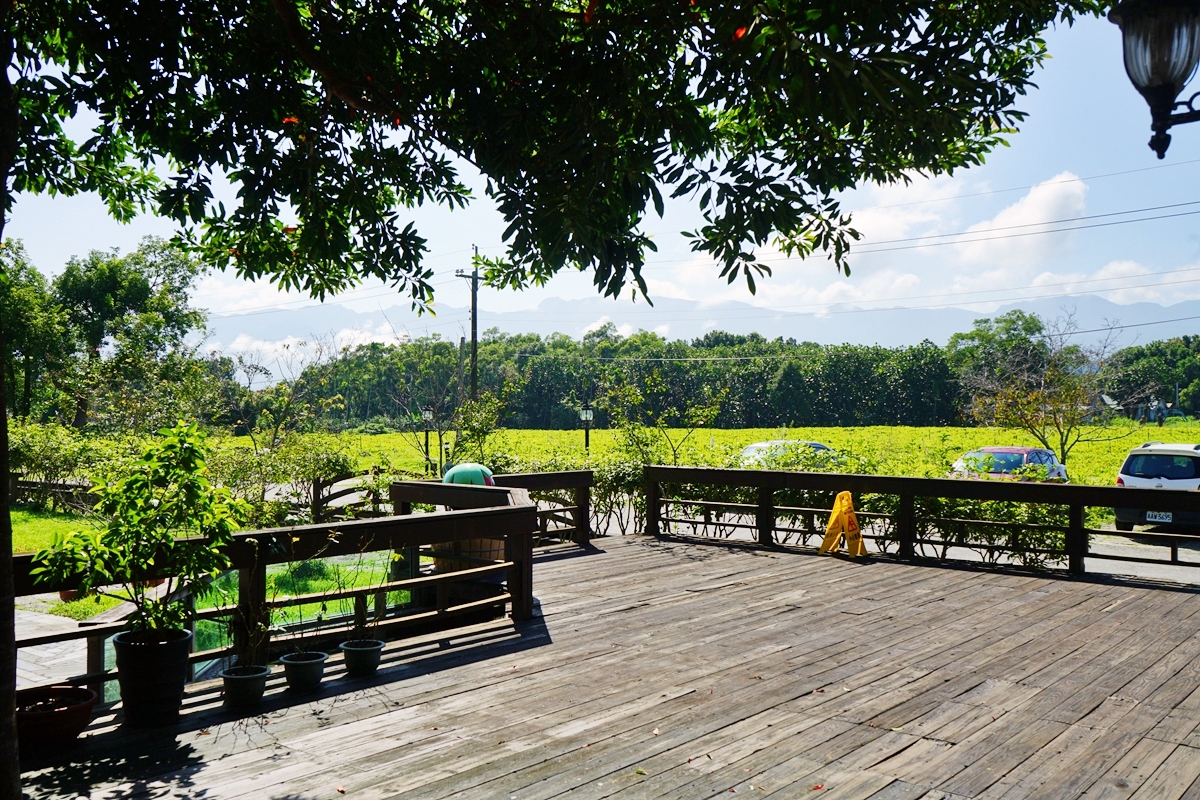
[
  {"x": 245, "y": 680},
  {"x": 361, "y": 656},
  {"x": 304, "y": 669},
  {"x": 52, "y": 717},
  {"x": 163, "y": 519}
]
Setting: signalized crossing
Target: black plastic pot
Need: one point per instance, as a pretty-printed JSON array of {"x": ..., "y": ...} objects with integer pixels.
[
  {"x": 304, "y": 670},
  {"x": 244, "y": 686},
  {"x": 362, "y": 656},
  {"x": 152, "y": 670},
  {"x": 52, "y": 717}
]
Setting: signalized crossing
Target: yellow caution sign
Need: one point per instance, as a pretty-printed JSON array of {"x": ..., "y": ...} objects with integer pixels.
[{"x": 843, "y": 522}]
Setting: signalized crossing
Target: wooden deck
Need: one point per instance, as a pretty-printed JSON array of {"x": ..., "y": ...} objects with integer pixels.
[{"x": 675, "y": 670}]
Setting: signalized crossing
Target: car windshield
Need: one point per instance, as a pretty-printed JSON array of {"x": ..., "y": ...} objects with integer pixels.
[
  {"x": 994, "y": 462},
  {"x": 1157, "y": 465}
]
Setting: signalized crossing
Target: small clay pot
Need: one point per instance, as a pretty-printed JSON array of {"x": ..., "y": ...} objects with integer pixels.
[
  {"x": 304, "y": 670},
  {"x": 362, "y": 656},
  {"x": 244, "y": 685}
]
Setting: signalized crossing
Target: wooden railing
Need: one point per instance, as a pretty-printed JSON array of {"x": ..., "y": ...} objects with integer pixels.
[
  {"x": 507, "y": 514},
  {"x": 897, "y": 513},
  {"x": 558, "y": 517}
]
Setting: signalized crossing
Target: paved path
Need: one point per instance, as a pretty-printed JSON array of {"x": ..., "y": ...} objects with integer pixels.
[{"x": 47, "y": 662}]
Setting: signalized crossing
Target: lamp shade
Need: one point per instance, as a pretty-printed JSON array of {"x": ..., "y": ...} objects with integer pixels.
[
  {"x": 585, "y": 414},
  {"x": 1161, "y": 41},
  {"x": 427, "y": 414}
]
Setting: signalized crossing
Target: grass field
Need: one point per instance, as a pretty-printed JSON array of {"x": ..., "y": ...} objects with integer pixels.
[
  {"x": 897, "y": 450},
  {"x": 34, "y": 530}
]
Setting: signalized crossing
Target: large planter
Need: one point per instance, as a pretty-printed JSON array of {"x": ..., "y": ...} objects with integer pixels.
[
  {"x": 487, "y": 549},
  {"x": 361, "y": 656},
  {"x": 152, "y": 669},
  {"x": 52, "y": 717},
  {"x": 244, "y": 685},
  {"x": 304, "y": 670}
]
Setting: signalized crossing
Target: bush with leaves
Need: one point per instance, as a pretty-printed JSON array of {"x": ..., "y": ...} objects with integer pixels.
[{"x": 163, "y": 516}]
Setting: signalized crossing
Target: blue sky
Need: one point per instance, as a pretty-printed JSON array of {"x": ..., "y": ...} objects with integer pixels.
[{"x": 1082, "y": 152}]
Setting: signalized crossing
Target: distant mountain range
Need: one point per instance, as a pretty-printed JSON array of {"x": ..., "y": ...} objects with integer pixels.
[{"x": 687, "y": 319}]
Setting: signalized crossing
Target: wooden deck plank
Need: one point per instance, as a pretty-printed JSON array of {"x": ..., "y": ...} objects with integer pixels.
[{"x": 669, "y": 669}]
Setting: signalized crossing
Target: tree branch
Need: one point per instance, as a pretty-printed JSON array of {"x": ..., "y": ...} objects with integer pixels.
[{"x": 349, "y": 93}]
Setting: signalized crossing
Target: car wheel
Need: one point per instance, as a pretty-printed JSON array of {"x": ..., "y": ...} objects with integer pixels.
[{"x": 1124, "y": 526}]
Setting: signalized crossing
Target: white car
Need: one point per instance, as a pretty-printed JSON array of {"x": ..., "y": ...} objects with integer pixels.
[
  {"x": 754, "y": 455},
  {"x": 1155, "y": 465}
]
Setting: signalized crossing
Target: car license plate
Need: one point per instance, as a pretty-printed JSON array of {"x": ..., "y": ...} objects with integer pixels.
[{"x": 1158, "y": 516}]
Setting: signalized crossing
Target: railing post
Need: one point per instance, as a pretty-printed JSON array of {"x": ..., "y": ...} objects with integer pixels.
[
  {"x": 653, "y": 506},
  {"x": 518, "y": 548},
  {"x": 906, "y": 527},
  {"x": 95, "y": 663},
  {"x": 1077, "y": 543},
  {"x": 583, "y": 515},
  {"x": 316, "y": 500},
  {"x": 764, "y": 516},
  {"x": 253, "y": 619}
]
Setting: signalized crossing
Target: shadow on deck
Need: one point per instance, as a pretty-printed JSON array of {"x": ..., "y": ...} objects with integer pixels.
[{"x": 669, "y": 669}]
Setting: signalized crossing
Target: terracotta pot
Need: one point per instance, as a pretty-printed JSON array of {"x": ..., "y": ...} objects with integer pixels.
[{"x": 52, "y": 717}]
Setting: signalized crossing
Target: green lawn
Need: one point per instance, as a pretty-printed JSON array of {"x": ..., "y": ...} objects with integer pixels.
[{"x": 34, "y": 530}]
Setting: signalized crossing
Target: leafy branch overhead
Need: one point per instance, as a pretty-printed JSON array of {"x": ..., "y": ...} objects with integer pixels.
[{"x": 332, "y": 118}]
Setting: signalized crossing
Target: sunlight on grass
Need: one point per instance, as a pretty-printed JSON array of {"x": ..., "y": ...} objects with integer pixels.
[
  {"x": 83, "y": 608},
  {"x": 34, "y": 530}
]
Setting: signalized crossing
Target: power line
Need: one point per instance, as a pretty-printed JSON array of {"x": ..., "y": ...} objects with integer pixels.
[
  {"x": 1030, "y": 233},
  {"x": 1030, "y": 186},
  {"x": 1035, "y": 224}
]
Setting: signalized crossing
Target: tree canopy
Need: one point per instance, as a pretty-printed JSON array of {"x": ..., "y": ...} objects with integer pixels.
[{"x": 329, "y": 118}]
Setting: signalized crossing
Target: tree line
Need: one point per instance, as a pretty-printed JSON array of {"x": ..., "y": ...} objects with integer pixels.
[{"x": 112, "y": 344}]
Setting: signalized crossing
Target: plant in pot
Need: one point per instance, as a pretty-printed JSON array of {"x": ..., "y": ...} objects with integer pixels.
[
  {"x": 163, "y": 518},
  {"x": 362, "y": 653},
  {"x": 303, "y": 667},
  {"x": 245, "y": 680}
]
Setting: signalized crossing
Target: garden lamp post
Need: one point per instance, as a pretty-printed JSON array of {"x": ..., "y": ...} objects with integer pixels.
[
  {"x": 1161, "y": 42},
  {"x": 585, "y": 416},
  {"x": 427, "y": 418}
]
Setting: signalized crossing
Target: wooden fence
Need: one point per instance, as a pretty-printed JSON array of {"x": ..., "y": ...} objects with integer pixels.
[
  {"x": 907, "y": 516},
  {"x": 563, "y": 499},
  {"x": 509, "y": 515}
]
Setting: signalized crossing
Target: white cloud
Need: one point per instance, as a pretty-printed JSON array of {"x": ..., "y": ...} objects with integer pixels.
[
  {"x": 1060, "y": 197},
  {"x": 597, "y": 325},
  {"x": 663, "y": 330}
]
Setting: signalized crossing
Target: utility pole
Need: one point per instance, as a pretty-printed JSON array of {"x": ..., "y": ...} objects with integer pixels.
[{"x": 474, "y": 278}]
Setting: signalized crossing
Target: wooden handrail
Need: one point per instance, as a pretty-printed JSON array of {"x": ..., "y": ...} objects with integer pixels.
[
  {"x": 964, "y": 489},
  {"x": 1075, "y": 498}
]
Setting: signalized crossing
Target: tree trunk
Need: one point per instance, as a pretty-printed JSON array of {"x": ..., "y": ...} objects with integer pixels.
[
  {"x": 27, "y": 389},
  {"x": 10, "y": 764}
]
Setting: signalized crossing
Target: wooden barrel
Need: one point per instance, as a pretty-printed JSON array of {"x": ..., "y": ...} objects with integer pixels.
[{"x": 490, "y": 549}]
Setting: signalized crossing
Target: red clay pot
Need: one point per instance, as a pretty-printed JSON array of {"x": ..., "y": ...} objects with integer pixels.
[{"x": 53, "y": 716}]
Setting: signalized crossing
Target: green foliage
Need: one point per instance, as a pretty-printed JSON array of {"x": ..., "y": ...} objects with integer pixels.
[
  {"x": 272, "y": 482},
  {"x": 477, "y": 421},
  {"x": 36, "y": 332},
  {"x": 337, "y": 116},
  {"x": 162, "y": 514}
]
